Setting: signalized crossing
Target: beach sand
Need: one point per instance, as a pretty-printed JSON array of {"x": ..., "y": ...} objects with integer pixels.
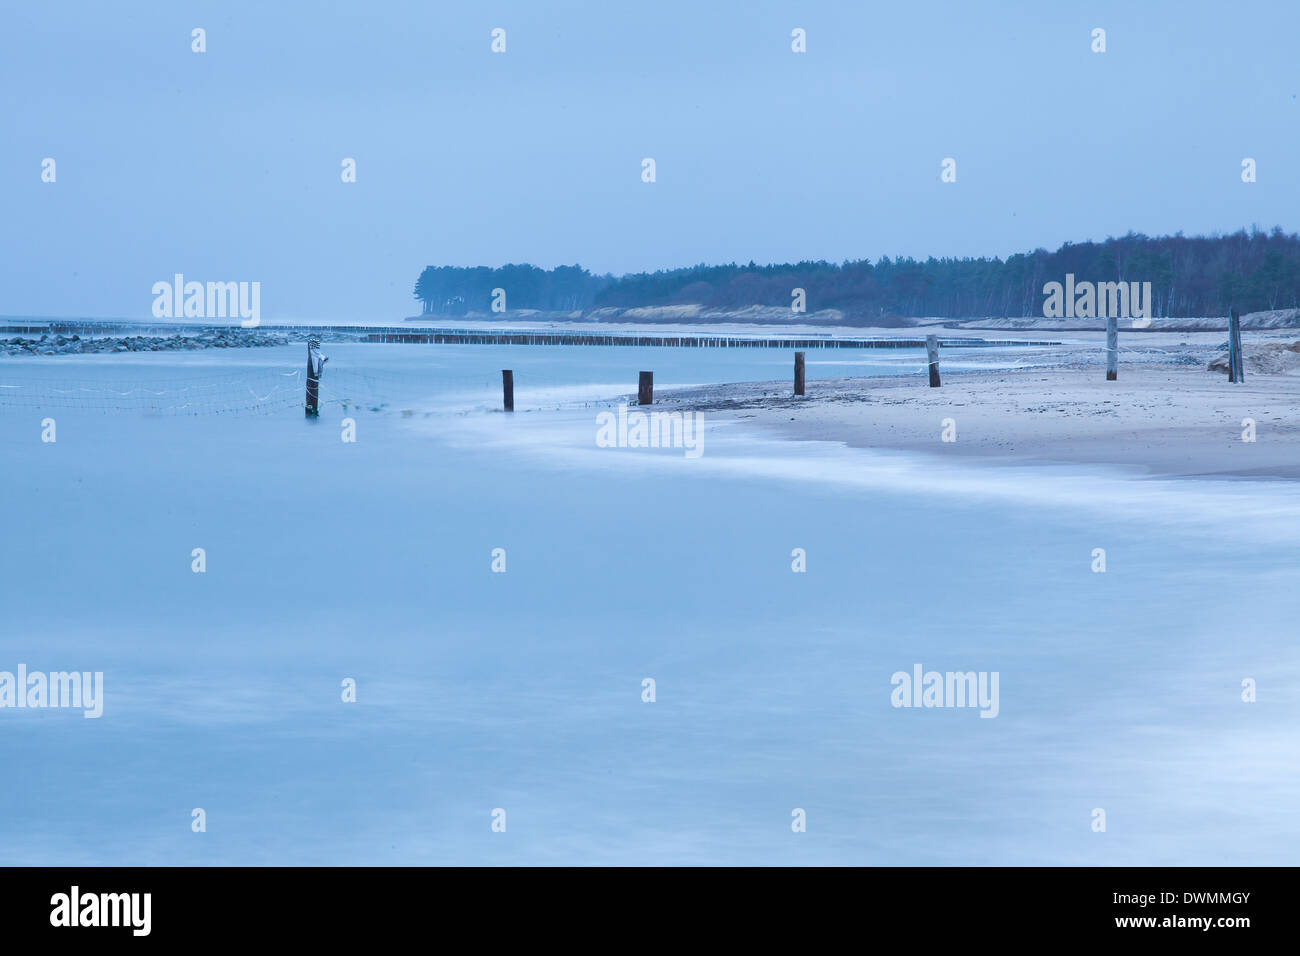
[{"x": 1167, "y": 420}]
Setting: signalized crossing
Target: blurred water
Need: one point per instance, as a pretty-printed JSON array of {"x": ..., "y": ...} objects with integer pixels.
[{"x": 372, "y": 560}]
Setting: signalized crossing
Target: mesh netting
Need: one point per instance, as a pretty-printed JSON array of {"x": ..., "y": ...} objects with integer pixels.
[
  {"x": 268, "y": 391},
  {"x": 248, "y": 392}
]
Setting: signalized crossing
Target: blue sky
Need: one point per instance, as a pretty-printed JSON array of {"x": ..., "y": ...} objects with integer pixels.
[{"x": 226, "y": 165}]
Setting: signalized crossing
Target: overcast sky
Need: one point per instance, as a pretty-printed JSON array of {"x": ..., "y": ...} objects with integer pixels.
[{"x": 226, "y": 165}]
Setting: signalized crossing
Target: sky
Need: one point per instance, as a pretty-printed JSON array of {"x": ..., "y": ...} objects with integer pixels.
[{"x": 226, "y": 165}]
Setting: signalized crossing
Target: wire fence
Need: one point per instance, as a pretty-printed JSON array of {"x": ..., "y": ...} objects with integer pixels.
[
  {"x": 254, "y": 390},
  {"x": 248, "y": 392},
  {"x": 271, "y": 391}
]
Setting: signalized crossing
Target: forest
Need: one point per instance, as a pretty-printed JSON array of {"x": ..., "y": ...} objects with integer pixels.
[{"x": 1190, "y": 277}]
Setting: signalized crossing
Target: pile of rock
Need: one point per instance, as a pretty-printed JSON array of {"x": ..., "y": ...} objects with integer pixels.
[
  {"x": 204, "y": 339},
  {"x": 1266, "y": 358}
]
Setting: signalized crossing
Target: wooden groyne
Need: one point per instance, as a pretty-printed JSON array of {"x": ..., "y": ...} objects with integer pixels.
[
  {"x": 673, "y": 340},
  {"x": 409, "y": 336}
]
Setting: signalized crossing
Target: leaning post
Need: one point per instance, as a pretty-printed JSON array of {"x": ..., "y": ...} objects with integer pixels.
[
  {"x": 1112, "y": 348},
  {"x": 315, "y": 365},
  {"x": 1236, "y": 367},
  {"x": 645, "y": 390}
]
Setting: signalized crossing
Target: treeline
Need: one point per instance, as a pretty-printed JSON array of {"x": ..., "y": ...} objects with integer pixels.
[
  {"x": 449, "y": 290},
  {"x": 1190, "y": 276}
]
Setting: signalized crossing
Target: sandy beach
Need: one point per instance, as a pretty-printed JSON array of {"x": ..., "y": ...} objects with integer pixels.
[{"x": 1168, "y": 419}]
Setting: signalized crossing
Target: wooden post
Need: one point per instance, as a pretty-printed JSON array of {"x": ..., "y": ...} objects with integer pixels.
[
  {"x": 798, "y": 373},
  {"x": 508, "y": 388},
  {"x": 1236, "y": 367},
  {"x": 1112, "y": 348},
  {"x": 932, "y": 355},
  {"x": 1241, "y": 354},
  {"x": 314, "y": 366},
  {"x": 645, "y": 391},
  {"x": 1232, "y": 345}
]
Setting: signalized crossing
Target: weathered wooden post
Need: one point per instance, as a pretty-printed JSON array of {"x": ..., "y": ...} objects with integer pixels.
[
  {"x": 645, "y": 390},
  {"x": 1112, "y": 348},
  {"x": 1232, "y": 345},
  {"x": 932, "y": 355},
  {"x": 508, "y": 388},
  {"x": 315, "y": 365},
  {"x": 798, "y": 373},
  {"x": 1241, "y": 354},
  {"x": 1236, "y": 367}
]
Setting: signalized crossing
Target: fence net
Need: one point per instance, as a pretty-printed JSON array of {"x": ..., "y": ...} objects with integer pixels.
[
  {"x": 270, "y": 391},
  {"x": 250, "y": 387},
  {"x": 246, "y": 392}
]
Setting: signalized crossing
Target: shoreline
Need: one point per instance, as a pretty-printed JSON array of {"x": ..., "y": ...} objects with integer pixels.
[{"x": 1164, "y": 421}]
